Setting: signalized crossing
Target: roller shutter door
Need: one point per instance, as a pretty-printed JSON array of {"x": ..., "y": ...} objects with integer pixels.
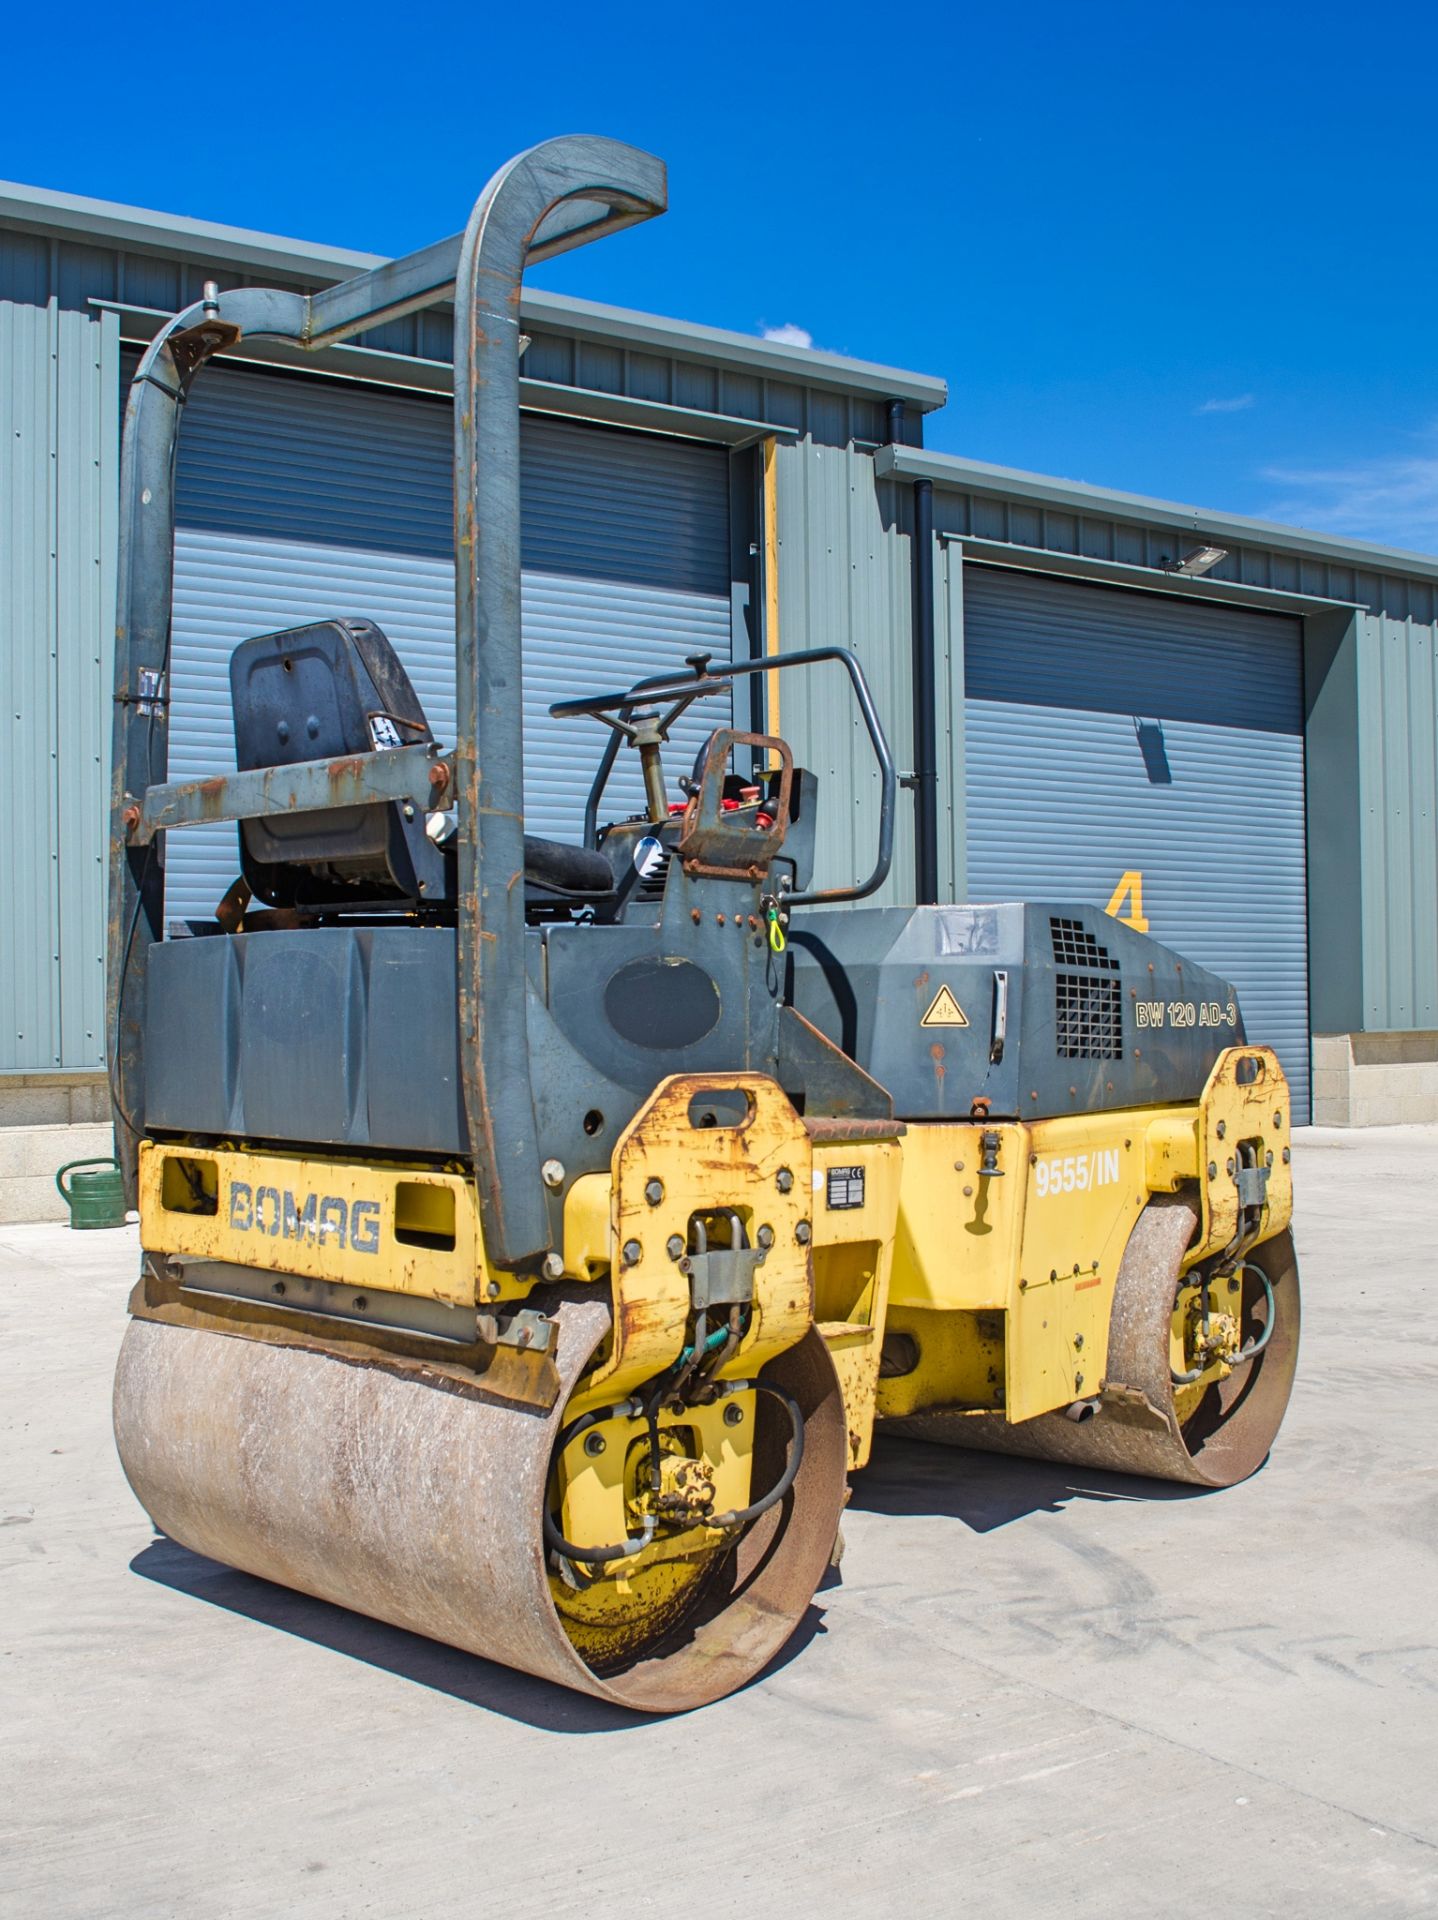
[
  {"x": 1111, "y": 733},
  {"x": 300, "y": 499}
]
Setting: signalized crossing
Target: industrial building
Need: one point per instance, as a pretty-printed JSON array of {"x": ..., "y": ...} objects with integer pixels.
[{"x": 1222, "y": 730}]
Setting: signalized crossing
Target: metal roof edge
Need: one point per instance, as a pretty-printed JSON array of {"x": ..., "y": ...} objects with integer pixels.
[
  {"x": 804, "y": 366},
  {"x": 980, "y": 476},
  {"x": 177, "y": 236}
]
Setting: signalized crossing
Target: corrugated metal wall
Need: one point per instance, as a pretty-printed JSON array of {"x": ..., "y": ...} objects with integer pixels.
[
  {"x": 845, "y": 576},
  {"x": 1398, "y": 789},
  {"x": 845, "y": 579},
  {"x": 59, "y": 461},
  {"x": 1113, "y": 733}
]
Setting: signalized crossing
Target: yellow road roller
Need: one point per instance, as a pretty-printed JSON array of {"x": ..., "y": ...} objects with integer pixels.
[{"x": 534, "y": 1233}]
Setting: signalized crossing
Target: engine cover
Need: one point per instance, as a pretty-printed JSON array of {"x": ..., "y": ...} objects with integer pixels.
[{"x": 1036, "y": 1010}]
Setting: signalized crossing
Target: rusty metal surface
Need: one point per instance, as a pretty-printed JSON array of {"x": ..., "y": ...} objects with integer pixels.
[
  {"x": 416, "y": 1502},
  {"x": 160, "y": 1297},
  {"x": 697, "y": 1170},
  {"x": 730, "y": 845},
  {"x": 831, "y": 1132},
  {"x": 533, "y": 189},
  {"x": 1233, "y": 1113},
  {"x": 308, "y": 786},
  {"x": 1136, "y": 1430}
]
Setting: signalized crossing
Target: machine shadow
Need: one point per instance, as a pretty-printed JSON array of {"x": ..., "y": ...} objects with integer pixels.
[
  {"x": 988, "y": 1490},
  {"x": 409, "y": 1656}
]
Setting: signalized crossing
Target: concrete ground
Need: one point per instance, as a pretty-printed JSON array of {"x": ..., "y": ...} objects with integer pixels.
[{"x": 1031, "y": 1692}]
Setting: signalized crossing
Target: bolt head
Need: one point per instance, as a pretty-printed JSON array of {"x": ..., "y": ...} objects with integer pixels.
[
  {"x": 674, "y": 1246},
  {"x": 594, "y": 1444},
  {"x": 1212, "y": 1172},
  {"x": 784, "y": 1180},
  {"x": 1078, "y": 1342},
  {"x": 803, "y": 1233},
  {"x": 1222, "y": 1128},
  {"x": 552, "y": 1173},
  {"x": 492, "y": 1290},
  {"x": 633, "y": 1253},
  {"x": 765, "y": 1237},
  {"x": 654, "y": 1191},
  {"x": 1278, "y": 1119},
  {"x": 1286, "y": 1156},
  {"x": 554, "y": 1266},
  {"x": 733, "y": 1414}
]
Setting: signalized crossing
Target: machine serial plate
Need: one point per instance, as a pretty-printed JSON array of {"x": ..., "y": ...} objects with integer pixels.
[{"x": 845, "y": 1188}]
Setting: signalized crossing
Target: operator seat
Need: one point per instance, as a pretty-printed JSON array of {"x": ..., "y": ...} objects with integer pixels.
[{"x": 334, "y": 689}]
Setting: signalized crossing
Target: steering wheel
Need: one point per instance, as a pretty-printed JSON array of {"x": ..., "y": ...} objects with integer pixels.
[{"x": 616, "y": 709}]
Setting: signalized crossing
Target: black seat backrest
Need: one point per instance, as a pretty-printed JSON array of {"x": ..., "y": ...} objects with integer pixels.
[{"x": 323, "y": 692}]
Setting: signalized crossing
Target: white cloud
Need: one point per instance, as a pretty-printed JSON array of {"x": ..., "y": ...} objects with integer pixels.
[
  {"x": 1239, "y": 403},
  {"x": 789, "y": 335},
  {"x": 1392, "y": 498}
]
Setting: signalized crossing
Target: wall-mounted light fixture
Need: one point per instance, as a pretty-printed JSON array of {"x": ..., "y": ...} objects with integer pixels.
[{"x": 1200, "y": 560}]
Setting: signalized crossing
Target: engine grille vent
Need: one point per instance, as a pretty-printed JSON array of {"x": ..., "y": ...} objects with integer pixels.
[
  {"x": 1088, "y": 1017},
  {"x": 1075, "y": 946}
]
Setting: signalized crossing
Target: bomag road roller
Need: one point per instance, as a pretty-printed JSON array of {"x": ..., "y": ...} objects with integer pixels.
[{"x": 533, "y": 1233}]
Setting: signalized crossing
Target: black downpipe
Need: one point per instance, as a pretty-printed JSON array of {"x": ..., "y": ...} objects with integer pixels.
[{"x": 926, "y": 747}]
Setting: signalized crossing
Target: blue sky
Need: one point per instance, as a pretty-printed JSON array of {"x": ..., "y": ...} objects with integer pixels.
[{"x": 1182, "y": 250}]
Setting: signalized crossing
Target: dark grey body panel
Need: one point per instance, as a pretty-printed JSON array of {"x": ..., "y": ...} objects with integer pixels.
[
  {"x": 338, "y": 1036},
  {"x": 348, "y": 1036},
  {"x": 1078, "y": 985}
]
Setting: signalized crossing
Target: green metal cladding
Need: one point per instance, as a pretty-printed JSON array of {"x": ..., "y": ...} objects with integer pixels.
[{"x": 59, "y": 479}]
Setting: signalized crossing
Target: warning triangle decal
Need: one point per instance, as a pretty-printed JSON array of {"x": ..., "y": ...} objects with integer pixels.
[{"x": 945, "y": 1011}]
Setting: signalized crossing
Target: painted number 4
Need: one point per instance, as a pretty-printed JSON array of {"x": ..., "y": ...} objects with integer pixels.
[{"x": 1130, "y": 888}]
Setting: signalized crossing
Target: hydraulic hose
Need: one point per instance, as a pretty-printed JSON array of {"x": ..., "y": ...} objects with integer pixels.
[
  {"x": 741, "y": 1516},
  {"x": 633, "y": 1543},
  {"x": 737, "y": 1517},
  {"x": 1251, "y": 1348}
]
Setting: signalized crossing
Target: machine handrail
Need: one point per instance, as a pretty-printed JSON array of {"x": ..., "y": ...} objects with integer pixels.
[{"x": 707, "y": 681}]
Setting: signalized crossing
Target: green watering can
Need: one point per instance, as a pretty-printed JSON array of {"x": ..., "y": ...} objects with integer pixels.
[{"x": 94, "y": 1199}]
